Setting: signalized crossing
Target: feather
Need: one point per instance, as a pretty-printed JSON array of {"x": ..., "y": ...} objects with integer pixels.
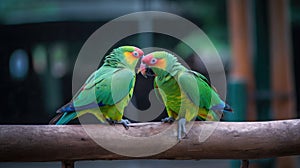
[{"x": 109, "y": 86}]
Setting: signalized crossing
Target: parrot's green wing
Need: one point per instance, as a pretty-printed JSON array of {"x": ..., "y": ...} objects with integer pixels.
[
  {"x": 196, "y": 87},
  {"x": 107, "y": 86},
  {"x": 122, "y": 83}
]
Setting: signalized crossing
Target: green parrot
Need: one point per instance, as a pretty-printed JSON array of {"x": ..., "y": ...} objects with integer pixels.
[
  {"x": 107, "y": 91},
  {"x": 186, "y": 94}
]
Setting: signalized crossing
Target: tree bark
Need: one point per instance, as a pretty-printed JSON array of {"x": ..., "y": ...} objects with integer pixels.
[{"x": 228, "y": 140}]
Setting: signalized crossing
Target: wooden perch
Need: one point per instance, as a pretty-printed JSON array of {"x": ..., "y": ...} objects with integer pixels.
[{"x": 229, "y": 140}]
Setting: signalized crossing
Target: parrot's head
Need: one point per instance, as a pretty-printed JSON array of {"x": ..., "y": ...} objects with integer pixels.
[
  {"x": 125, "y": 55},
  {"x": 158, "y": 61},
  {"x": 132, "y": 54}
]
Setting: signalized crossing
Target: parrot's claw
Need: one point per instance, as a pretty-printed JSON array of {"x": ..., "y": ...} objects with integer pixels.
[
  {"x": 168, "y": 120},
  {"x": 181, "y": 129},
  {"x": 125, "y": 123},
  {"x": 110, "y": 121}
]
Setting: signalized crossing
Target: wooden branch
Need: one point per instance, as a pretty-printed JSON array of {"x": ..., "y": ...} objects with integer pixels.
[{"x": 230, "y": 140}]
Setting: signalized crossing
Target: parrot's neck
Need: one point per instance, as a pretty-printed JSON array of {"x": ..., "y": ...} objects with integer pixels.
[
  {"x": 176, "y": 68},
  {"x": 125, "y": 64},
  {"x": 172, "y": 69}
]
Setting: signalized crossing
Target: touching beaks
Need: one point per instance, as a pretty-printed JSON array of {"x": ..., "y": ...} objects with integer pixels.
[{"x": 142, "y": 69}]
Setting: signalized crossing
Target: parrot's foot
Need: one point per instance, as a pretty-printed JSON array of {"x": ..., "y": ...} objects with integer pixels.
[
  {"x": 124, "y": 122},
  {"x": 168, "y": 120},
  {"x": 181, "y": 128},
  {"x": 111, "y": 122}
]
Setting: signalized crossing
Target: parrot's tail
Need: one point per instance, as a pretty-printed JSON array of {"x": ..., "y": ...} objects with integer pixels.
[
  {"x": 64, "y": 114},
  {"x": 69, "y": 107},
  {"x": 55, "y": 119},
  {"x": 222, "y": 107},
  {"x": 63, "y": 118},
  {"x": 227, "y": 108}
]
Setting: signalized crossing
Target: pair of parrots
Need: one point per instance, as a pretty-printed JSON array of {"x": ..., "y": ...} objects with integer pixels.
[{"x": 186, "y": 94}]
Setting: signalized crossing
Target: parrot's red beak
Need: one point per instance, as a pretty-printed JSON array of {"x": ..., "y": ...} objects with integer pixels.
[
  {"x": 142, "y": 69},
  {"x": 145, "y": 62},
  {"x": 143, "y": 66}
]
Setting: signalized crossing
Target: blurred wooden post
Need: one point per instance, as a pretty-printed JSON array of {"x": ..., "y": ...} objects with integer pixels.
[
  {"x": 241, "y": 50},
  {"x": 241, "y": 72},
  {"x": 67, "y": 164},
  {"x": 282, "y": 76},
  {"x": 283, "y": 102}
]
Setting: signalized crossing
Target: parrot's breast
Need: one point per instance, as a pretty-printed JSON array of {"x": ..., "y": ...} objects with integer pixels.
[
  {"x": 170, "y": 93},
  {"x": 176, "y": 100},
  {"x": 173, "y": 96}
]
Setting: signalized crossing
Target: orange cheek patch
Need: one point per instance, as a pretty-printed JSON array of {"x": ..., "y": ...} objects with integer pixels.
[
  {"x": 129, "y": 57},
  {"x": 161, "y": 64}
]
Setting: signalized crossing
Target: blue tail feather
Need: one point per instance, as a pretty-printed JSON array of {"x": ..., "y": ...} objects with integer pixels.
[
  {"x": 221, "y": 107},
  {"x": 66, "y": 118},
  {"x": 227, "y": 108},
  {"x": 68, "y": 112},
  {"x": 71, "y": 108}
]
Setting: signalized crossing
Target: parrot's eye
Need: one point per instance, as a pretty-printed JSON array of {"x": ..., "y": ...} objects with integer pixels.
[
  {"x": 135, "y": 53},
  {"x": 153, "y": 61}
]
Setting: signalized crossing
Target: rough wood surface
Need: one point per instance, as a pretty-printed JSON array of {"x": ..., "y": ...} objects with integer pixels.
[{"x": 230, "y": 140}]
